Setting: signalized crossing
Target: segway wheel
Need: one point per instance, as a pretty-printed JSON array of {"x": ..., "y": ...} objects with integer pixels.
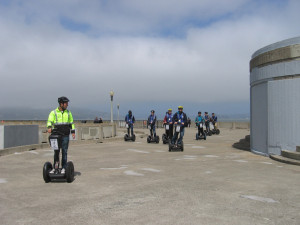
[
  {"x": 46, "y": 169},
  {"x": 148, "y": 139},
  {"x": 170, "y": 146},
  {"x": 209, "y": 133},
  {"x": 182, "y": 146},
  {"x": 133, "y": 137},
  {"x": 217, "y": 131},
  {"x": 157, "y": 139},
  {"x": 70, "y": 172},
  {"x": 197, "y": 137},
  {"x": 204, "y": 137},
  {"x": 125, "y": 137}
]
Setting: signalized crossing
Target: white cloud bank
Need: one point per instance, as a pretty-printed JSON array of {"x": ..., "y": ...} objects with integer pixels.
[{"x": 124, "y": 49}]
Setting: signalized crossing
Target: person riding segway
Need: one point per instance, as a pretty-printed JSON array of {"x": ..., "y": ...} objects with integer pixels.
[
  {"x": 60, "y": 125},
  {"x": 207, "y": 120},
  {"x": 199, "y": 123},
  {"x": 168, "y": 123},
  {"x": 151, "y": 124},
  {"x": 130, "y": 120},
  {"x": 214, "y": 121},
  {"x": 180, "y": 122}
]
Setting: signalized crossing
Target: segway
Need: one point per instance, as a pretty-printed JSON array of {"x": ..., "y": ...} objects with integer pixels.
[
  {"x": 203, "y": 136},
  {"x": 165, "y": 136},
  {"x": 207, "y": 131},
  {"x": 176, "y": 147},
  {"x": 55, "y": 140},
  {"x": 151, "y": 138},
  {"x": 127, "y": 136},
  {"x": 213, "y": 129}
]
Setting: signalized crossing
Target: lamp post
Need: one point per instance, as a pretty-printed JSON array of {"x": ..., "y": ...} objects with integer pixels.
[
  {"x": 118, "y": 106},
  {"x": 111, "y": 93}
]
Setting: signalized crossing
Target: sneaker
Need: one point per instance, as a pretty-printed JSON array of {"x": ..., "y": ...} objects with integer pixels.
[
  {"x": 52, "y": 171},
  {"x": 63, "y": 171}
]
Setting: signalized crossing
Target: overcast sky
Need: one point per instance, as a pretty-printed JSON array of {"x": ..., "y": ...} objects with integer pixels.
[{"x": 194, "y": 51}]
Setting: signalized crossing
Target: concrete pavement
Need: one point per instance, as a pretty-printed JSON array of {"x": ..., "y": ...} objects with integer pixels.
[{"x": 138, "y": 183}]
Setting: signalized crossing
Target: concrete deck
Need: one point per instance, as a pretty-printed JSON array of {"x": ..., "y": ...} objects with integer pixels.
[{"x": 139, "y": 183}]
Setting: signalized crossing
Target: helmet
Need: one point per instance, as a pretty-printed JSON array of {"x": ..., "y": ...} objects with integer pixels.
[
  {"x": 129, "y": 112},
  {"x": 152, "y": 111},
  {"x": 180, "y": 107},
  {"x": 169, "y": 109},
  {"x": 63, "y": 99},
  {"x": 199, "y": 112}
]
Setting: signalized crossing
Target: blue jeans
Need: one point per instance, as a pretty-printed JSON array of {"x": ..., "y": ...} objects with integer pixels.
[
  {"x": 130, "y": 127},
  {"x": 153, "y": 131},
  {"x": 176, "y": 136},
  {"x": 64, "y": 148}
]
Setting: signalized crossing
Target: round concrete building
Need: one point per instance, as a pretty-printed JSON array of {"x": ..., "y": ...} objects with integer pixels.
[{"x": 275, "y": 97}]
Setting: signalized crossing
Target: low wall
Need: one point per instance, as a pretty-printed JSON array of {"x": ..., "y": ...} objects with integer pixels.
[{"x": 18, "y": 135}]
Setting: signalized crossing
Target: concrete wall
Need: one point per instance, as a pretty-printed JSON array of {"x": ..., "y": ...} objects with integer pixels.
[
  {"x": 275, "y": 94},
  {"x": 18, "y": 135}
]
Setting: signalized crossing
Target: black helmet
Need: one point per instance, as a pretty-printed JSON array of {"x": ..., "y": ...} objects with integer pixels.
[
  {"x": 63, "y": 99},
  {"x": 199, "y": 112},
  {"x": 129, "y": 112},
  {"x": 152, "y": 111}
]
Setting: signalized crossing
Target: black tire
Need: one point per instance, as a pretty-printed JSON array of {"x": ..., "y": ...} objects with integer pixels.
[
  {"x": 70, "y": 172},
  {"x": 46, "y": 169},
  {"x": 133, "y": 137},
  {"x": 209, "y": 133},
  {"x": 157, "y": 139},
  {"x": 170, "y": 147},
  {"x": 125, "y": 137},
  {"x": 205, "y": 137},
  {"x": 197, "y": 137},
  {"x": 217, "y": 131},
  {"x": 182, "y": 146},
  {"x": 148, "y": 139}
]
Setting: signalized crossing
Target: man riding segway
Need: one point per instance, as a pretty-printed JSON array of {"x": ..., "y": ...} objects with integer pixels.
[
  {"x": 130, "y": 120},
  {"x": 168, "y": 123},
  {"x": 180, "y": 121},
  {"x": 199, "y": 123},
  {"x": 60, "y": 124},
  {"x": 151, "y": 124}
]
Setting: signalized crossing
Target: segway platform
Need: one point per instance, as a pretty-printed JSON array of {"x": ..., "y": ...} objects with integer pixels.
[
  {"x": 151, "y": 139},
  {"x": 199, "y": 137},
  {"x": 129, "y": 138},
  {"x": 176, "y": 147},
  {"x": 165, "y": 139}
]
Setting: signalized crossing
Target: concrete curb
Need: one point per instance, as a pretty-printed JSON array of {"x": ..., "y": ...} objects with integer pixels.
[
  {"x": 290, "y": 154},
  {"x": 285, "y": 160}
]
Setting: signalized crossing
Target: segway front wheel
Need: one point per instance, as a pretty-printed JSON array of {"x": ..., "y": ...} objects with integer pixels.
[
  {"x": 148, "y": 139},
  {"x": 182, "y": 146},
  {"x": 125, "y": 137},
  {"x": 170, "y": 146},
  {"x": 70, "y": 172},
  {"x": 46, "y": 169},
  {"x": 197, "y": 137},
  {"x": 209, "y": 133},
  {"x": 157, "y": 139},
  {"x": 217, "y": 131},
  {"x": 133, "y": 137}
]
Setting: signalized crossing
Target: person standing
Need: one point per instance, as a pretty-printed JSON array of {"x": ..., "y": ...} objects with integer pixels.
[
  {"x": 199, "y": 123},
  {"x": 130, "y": 120},
  {"x": 152, "y": 122},
  {"x": 168, "y": 121},
  {"x": 207, "y": 120},
  {"x": 61, "y": 119},
  {"x": 179, "y": 119}
]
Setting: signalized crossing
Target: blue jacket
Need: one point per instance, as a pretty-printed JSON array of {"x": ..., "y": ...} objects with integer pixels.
[
  {"x": 182, "y": 117},
  {"x": 152, "y": 119},
  {"x": 199, "y": 119},
  {"x": 214, "y": 119},
  {"x": 129, "y": 119}
]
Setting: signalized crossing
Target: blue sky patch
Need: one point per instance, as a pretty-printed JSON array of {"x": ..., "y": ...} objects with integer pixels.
[{"x": 72, "y": 25}]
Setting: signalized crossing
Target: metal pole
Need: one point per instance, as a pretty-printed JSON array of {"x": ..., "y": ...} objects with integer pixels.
[{"x": 118, "y": 114}]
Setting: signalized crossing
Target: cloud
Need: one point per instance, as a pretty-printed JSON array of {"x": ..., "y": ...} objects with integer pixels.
[{"x": 125, "y": 47}]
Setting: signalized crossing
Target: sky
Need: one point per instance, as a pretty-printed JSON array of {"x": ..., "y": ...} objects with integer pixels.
[{"x": 152, "y": 54}]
